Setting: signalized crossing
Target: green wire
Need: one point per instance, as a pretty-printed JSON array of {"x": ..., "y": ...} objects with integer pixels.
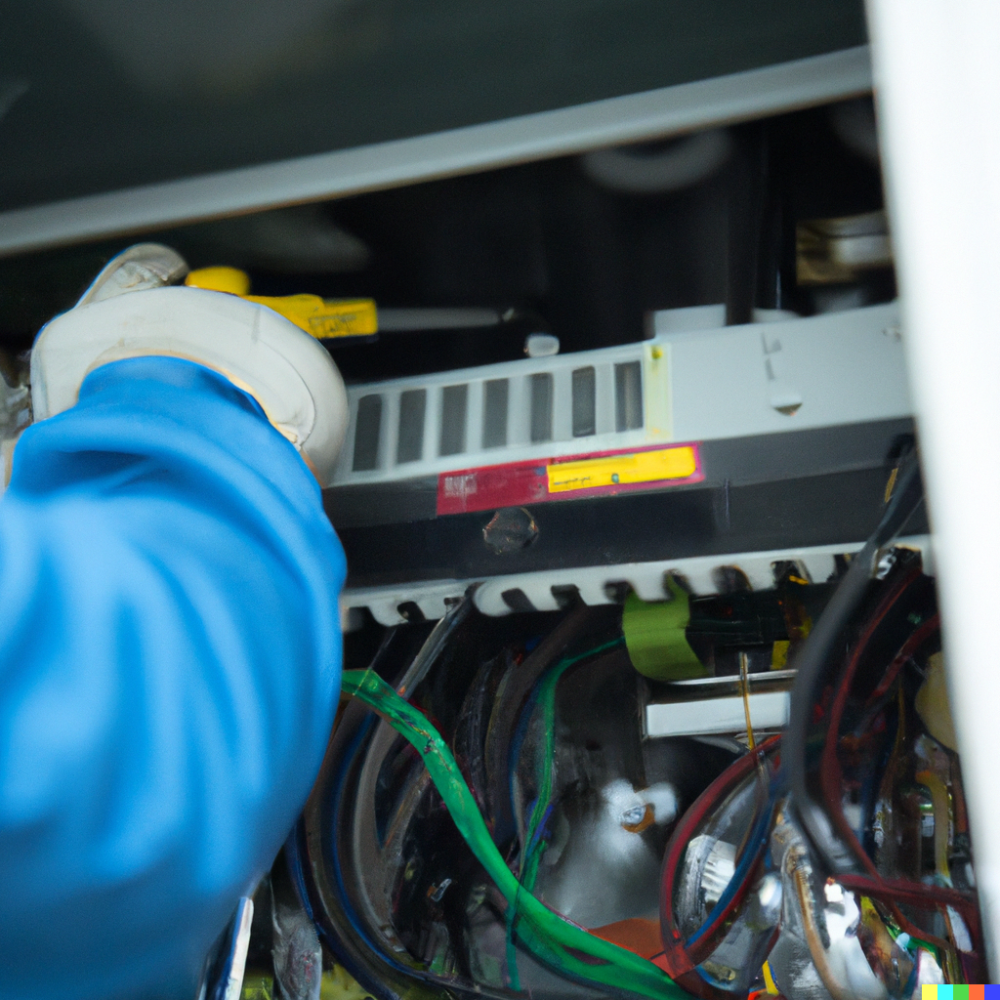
[
  {"x": 547, "y": 698},
  {"x": 547, "y": 935},
  {"x": 534, "y": 847}
]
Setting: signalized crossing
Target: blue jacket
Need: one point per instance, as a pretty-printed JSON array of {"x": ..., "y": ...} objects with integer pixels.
[{"x": 170, "y": 658}]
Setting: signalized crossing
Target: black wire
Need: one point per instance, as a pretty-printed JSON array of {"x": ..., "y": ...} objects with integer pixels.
[{"x": 818, "y": 657}]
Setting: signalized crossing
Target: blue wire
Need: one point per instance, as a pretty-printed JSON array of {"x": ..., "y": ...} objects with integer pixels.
[
  {"x": 749, "y": 857},
  {"x": 346, "y": 759}
]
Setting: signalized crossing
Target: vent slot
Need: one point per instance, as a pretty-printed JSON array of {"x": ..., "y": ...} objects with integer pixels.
[
  {"x": 628, "y": 396},
  {"x": 495, "y": 405},
  {"x": 584, "y": 402},
  {"x": 412, "y": 407},
  {"x": 541, "y": 407},
  {"x": 454, "y": 405},
  {"x": 367, "y": 433},
  {"x": 517, "y": 600}
]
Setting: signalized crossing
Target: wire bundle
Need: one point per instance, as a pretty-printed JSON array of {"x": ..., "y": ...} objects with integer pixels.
[{"x": 562, "y": 945}]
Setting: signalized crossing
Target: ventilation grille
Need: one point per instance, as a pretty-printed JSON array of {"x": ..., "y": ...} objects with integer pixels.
[{"x": 403, "y": 427}]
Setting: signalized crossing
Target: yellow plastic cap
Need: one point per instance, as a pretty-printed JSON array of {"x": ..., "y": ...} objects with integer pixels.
[{"x": 220, "y": 279}]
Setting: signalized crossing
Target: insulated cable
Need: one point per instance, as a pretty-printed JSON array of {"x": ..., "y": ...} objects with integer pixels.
[
  {"x": 534, "y": 845},
  {"x": 534, "y": 841},
  {"x": 816, "y": 657},
  {"x": 563, "y": 945}
]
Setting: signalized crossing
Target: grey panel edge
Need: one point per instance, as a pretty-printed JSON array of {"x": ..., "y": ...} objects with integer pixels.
[
  {"x": 394, "y": 502},
  {"x": 635, "y": 117},
  {"x": 815, "y": 451}
]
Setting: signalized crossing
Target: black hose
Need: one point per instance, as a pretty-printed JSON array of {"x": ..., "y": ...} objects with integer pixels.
[{"x": 817, "y": 659}]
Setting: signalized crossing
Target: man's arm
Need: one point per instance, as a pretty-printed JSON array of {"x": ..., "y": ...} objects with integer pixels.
[{"x": 169, "y": 670}]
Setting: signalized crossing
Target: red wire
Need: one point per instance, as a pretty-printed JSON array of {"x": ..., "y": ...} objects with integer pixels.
[
  {"x": 929, "y": 627},
  {"x": 831, "y": 777},
  {"x": 678, "y": 960}
]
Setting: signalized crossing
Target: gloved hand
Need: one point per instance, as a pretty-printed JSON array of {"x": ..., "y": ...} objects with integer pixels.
[{"x": 128, "y": 312}]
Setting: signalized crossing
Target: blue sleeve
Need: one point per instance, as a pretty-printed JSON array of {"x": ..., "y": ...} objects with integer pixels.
[{"x": 169, "y": 671}]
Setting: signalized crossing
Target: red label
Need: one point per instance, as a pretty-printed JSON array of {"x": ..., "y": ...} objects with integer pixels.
[{"x": 519, "y": 484}]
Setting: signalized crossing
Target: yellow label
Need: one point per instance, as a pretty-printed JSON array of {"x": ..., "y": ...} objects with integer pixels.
[
  {"x": 324, "y": 318},
  {"x": 638, "y": 467}
]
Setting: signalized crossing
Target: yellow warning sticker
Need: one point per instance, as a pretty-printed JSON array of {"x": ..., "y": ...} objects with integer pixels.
[{"x": 612, "y": 470}]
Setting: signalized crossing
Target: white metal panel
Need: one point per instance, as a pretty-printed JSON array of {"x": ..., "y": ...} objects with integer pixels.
[
  {"x": 938, "y": 93},
  {"x": 846, "y": 367},
  {"x": 843, "y": 368},
  {"x": 655, "y": 113}
]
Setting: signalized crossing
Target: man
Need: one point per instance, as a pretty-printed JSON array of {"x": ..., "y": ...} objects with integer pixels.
[{"x": 169, "y": 633}]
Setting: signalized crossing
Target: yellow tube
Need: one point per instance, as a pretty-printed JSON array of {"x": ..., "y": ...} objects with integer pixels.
[{"x": 941, "y": 803}]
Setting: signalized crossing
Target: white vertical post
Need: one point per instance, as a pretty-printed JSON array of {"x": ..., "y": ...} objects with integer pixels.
[{"x": 937, "y": 78}]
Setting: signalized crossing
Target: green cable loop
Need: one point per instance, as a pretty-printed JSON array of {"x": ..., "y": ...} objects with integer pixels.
[{"x": 554, "y": 940}]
